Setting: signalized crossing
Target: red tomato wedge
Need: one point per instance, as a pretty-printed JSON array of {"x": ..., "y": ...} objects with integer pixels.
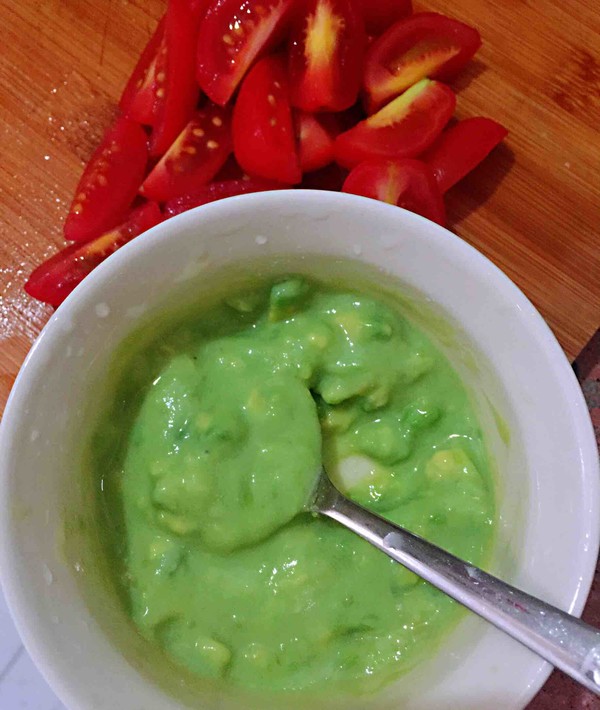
[
  {"x": 194, "y": 158},
  {"x": 326, "y": 55},
  {"x": 54, "y": 280},
  {"x": 138, "y": 98},
  {"x": 424, "y": 45},
  {"x": 263, "y": 133},
  {"x": 176, "y": 91},
  {"x": 380, "y": 14},
  {"x": 109, "y": 182},
  {"x": 231, "y": 37},
  {"x": 315, "y": 142},
  {"x": 403, "y": 129},
  {"x": 405, "y": 183},
  {"x": 219, "y": 191},
  {"x": 461, "y": 148}
]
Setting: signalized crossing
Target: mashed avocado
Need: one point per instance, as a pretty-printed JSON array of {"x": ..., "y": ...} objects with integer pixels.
[{"x": 222, "y": 423}]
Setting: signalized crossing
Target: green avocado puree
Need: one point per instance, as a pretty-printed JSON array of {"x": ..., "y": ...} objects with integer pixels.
[{"x": 210, "y": 450}]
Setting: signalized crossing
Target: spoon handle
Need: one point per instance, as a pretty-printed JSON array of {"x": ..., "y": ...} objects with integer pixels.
[{"x": 561, "y": 639}]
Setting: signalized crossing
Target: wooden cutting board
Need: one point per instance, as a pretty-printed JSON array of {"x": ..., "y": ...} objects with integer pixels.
[{"x": 533, "y": 208}]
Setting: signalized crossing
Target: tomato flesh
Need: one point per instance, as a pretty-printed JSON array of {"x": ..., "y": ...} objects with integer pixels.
[
  {"x": 231, "y": 37},
  {"x": 109, "y": 182},
  {"x": 176, "y": 92},
  {"x": 315, "y": 142},
  {"x": 380, "y": 14},
  {"x": 406, "y": 183},
  {"x": 461, "y": 148},
  {"x": 263, "y": 133},
  {"x": 54, "y": 280},
  {"x": 424, "y": 45},
  {"x": 326, "y": 55},
  {"x": 219, "y": 191},
  {"x": 404, "y": 128},
  {"x": 195, "y": 157},
  {"x": 138, "y": 98}
]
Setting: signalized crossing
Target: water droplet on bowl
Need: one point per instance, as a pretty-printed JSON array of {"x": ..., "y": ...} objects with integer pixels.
[{"x": 102, "y": 310}]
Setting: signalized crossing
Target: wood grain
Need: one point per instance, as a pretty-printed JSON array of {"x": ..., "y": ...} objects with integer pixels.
[{"x": 533, "y": 208}]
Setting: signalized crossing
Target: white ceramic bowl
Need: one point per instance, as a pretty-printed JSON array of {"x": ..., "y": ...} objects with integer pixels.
[{"x": 538, "y": 429}]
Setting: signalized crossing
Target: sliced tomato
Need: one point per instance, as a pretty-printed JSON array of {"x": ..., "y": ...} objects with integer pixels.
[
  {"x": 461, "y": 148},
  {"x": 109, "y": 182},
  {"x": 405, "y": 183},
  {"x": 176, "y": 93},
  {"x": 380, "y": 14},
  {"x": 404, "y": 128},
  {"x": 315, "y": 142},
  {"x": 425, "y": 44},
  {"x": 138, "y": 98},
  {"x": 263, "y": 132},
  {"x": 326, "y": 55},
  {"x": 219, "y": 191},
  {"x": 232, "y": 35},
  {"x": 54, "y": 280},
  {"x": 195, "y": 157},
  {"x": 199, "y": 7}
]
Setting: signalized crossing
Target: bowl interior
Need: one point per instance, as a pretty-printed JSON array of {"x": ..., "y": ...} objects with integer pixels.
[{"x": 532, "y": 410}]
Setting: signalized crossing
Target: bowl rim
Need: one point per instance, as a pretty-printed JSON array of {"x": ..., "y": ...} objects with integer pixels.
[{"x": 438, "y": 236}]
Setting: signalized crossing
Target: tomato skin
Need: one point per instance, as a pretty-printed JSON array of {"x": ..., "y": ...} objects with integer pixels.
[
  {"x": 219, "y": 191},
  {"x": 231, "y": 37},
  {"x": 138, "y": 99},
  {"x": 315, "y": 142},
  {"x": 195, "y": 157},
  {"x": 177, "y": 92},
  {"x": 54, "y": 280},
  {"x": 326, "y": 55},
  {"x": 109, "y": 182},
  {"x": 405, "y": 183},
  {"x": 426, "y": 44},
  {"x": 461, "y": 148},
  {"x": 404, "y": 128},
  {"x": 380, "y": 14},
  {"x": 263, "y": 133}
]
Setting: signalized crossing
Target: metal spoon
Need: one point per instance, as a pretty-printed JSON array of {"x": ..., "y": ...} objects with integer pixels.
[{"x": 561, "y": 639}]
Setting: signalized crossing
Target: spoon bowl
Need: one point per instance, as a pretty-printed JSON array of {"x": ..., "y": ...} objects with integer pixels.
[{"x": 559, "y": 638}]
